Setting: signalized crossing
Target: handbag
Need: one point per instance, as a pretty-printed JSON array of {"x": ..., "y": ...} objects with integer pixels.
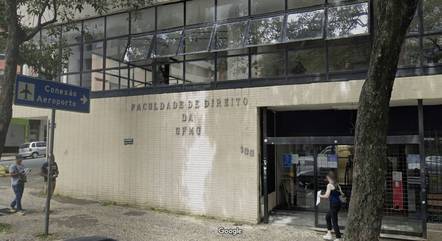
[{"x": 342, "y": 197}]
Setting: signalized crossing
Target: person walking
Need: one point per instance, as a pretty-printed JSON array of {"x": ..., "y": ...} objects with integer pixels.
[
  {"x": 18, "y": 179},
  {"x": 54, "y": 175},
  {"x": 333, "y": 193}
]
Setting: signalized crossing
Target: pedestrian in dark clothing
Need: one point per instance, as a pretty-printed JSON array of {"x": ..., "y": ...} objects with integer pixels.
[{"x": 333, "y": 193}]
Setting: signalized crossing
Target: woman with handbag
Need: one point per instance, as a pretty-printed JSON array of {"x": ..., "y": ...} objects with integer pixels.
[{"x": 336, "y": 196}]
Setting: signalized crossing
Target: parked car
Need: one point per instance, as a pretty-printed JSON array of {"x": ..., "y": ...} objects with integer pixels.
[{"x": 32, "y": 149}]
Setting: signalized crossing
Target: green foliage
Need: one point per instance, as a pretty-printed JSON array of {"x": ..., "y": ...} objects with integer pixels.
[{"x": 44, "y": 57}]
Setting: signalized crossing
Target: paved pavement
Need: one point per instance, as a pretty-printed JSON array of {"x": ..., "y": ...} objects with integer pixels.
[{"x": 73, "y": 218}]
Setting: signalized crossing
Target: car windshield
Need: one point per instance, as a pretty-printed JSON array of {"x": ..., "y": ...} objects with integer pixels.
[{"x": 26, "y": 145}]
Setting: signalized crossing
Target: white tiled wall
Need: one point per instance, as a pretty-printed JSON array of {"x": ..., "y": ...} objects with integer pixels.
[{"x": 208, "y": 174}]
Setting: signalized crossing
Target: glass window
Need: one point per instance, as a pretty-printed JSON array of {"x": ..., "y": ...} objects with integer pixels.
[
  {"x": 116, "y": 78},
  {"x": 73, "y": 79},
  {"x": 433, "y": 50},
  {"x": 169, "y": 74},
  {"x": 410, "y": 53},
  {"x": 268, "y": 65},
  {"x": 93, "y": 56},
  {"x": 344, "y": 21},
  {"x": 93, "y": 29},
  {"x": 266, "y": 6},
  {"x": 200, "y": 71},
  {"x": 233, "y": 68},
  {"x": 115, "y": 52},
  {"x": 229, "y": 36},
  {"x": 72, "y": 33},
  {"x": 92, "y": 80},
  {"x": 96, "y": 81},
  {"x": 414, "y": 25},
  {"x": 307, "y": 25},
  {"x": 303, "y": 3},
  {"x": 432, "y": 15},
  {"x": 143, "y": 21},
  {"x": 139, "y": 48},
  {"x": 232, "y": 9},
  {"x": 306, "y": 61},
  {"x": 49, "y": 36},
  {"x": 265, "y": 31},
  {"x": 340, "y": 2},
  {"x": 200, "y": 11},
  {"x": 74, "y": 59},
  {"x": 349, "y": 55},
  {"x": 117, "y": 25},
  {"x": 167, "y": 44},
  {"x": 170, "y": 16},
  {"x": 138, "y": 77},
  {"x": 197, "y": 40}
]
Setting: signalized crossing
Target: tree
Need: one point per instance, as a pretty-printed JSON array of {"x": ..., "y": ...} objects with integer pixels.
[
  {"x": 16, "y": 39},
  {"x": 392, "y": 18}
]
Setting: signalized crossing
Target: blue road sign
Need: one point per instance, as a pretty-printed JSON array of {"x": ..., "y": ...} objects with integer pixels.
[{"x": 40, "y": 93}]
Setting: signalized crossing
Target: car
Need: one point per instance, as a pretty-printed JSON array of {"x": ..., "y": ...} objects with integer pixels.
[
  {"x": 4, "y": 169},
  {"x": 32, "y": 149}
]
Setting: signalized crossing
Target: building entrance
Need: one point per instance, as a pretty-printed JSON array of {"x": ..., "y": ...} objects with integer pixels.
[{"x": 297, "y": 166}]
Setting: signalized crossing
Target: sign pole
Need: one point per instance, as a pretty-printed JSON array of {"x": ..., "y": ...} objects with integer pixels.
[{"x": 49, "y": 181}]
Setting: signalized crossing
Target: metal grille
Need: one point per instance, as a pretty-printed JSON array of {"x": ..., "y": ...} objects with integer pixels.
[{"x": 433, "y": 160}]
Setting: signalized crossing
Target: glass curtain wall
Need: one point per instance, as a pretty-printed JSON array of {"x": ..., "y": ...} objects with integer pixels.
[{"x": 207, "y": 41}]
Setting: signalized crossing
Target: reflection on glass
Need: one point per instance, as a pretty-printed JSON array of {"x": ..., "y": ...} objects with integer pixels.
[
  {"x": 72, "y": 33},
  {"x": 410, "y": 53},
  {"x": 432, "y": 50},
  {"x": 305, "y": 25},
  {"x": 229, "y": 36},
  {"x": 113, "y": 78},
  {"x": 349, "y": 55},
  {"x": 167, "y": 44},
  {"x": 266, "y": 6},
  {"x": 233, "y": 68},
  {"x": 265, "y": 31},
  {"x": 93, "y": 56},
  {"x": 303, "y": 3},
  {"x": 170, "y": 16},
  {"x": 139, "y": 48},
  {"x": 74, "y": 60},
  {"x": 197, "y": 40},
  {"x": 48, "y": 36},
  {"x": 267, "y": 65},
  {"x": 306, "y": 61},
  {"x": 138, "y": 77},
  {"x": 200, "y": 11},
  {"x": 200, "y": 71},
  {"x": 93, "y": 29},
  {"x": 432, "y": 15},
  {"x": 117, "y": 25},
  {"x": 232, "y": 9},
  {"x": 143, "y": 21},
  {"x": 414, "y": 25},
  {"x": 169, "y": 74},
  {"x": 115, "y": 52},
  {"x": 344, "y": 21}
]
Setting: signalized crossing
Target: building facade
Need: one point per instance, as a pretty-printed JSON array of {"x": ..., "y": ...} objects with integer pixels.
[{"x": 232, "y": 108}]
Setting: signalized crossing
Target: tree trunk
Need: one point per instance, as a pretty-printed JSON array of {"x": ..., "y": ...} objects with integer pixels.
[
  {"x": 366, "y": 207},
  {"x": 7, "y": 83}
]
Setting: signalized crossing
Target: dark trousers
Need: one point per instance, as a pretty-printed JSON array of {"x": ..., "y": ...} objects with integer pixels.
[
  {"x": 332, "y": 219},
  {"x": 18, "y": 190}
]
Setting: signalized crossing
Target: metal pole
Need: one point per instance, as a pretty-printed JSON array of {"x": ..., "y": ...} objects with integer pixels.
[
  {"x": 423, "y": 176},
  {"x": 49, "y": 181},
  {"x": 264, "y": 166}
]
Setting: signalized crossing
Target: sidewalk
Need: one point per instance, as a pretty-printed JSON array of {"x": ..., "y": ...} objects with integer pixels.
[{"x": 73, "y": 218}]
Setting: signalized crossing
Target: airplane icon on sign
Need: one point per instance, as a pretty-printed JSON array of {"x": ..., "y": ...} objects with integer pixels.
[{"x": 26, "y": 91}]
